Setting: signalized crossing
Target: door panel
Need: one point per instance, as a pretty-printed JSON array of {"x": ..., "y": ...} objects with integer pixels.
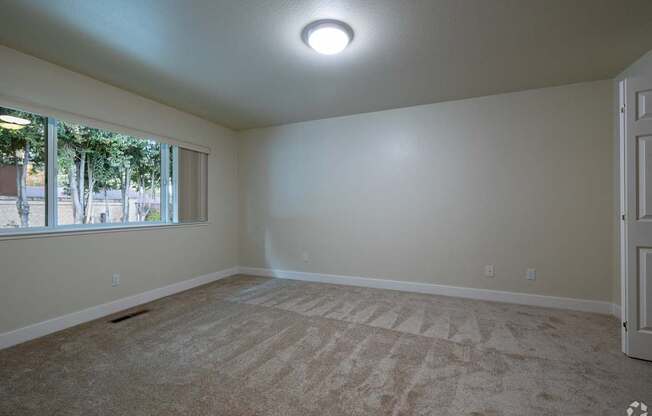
[
  {"x": 644, "y": 172},
  {"x": 645, "y": 290},
  {"x": 643, "y": 104}
]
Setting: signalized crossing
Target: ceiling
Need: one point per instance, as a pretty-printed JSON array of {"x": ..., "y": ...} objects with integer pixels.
[{"x": 241, "y": 63}]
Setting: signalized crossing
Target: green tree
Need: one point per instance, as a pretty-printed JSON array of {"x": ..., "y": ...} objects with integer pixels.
[
  {"x": 95, "y": 161},
  {"x": 136, "y": 161},
  {"x": 104, "y": 176},
  {"x": 76, "y": 145},
  {"x": 146, "y": 174}
]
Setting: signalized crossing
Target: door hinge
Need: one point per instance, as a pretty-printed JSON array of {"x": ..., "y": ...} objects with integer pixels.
[
  {"x": 623, "y": 217},
  {"x": 622, "y": 109},
  {"x": 625, "y": 325}
]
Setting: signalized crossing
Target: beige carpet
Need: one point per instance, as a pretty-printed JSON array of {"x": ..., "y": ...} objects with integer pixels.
[{"x": 256, "y": 346}]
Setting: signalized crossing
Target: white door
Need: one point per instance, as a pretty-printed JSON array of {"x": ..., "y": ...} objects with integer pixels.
[{"x": 638, "y": 218}]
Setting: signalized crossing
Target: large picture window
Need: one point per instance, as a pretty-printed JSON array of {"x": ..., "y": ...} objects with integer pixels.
[{"x": 56, "y": 174}]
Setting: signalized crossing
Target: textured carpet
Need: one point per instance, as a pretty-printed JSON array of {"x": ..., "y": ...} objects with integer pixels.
[{"x": 256, "y": 346}]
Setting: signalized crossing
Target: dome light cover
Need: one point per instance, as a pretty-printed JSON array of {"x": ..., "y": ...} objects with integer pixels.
[{"x": 327, "y": 37}]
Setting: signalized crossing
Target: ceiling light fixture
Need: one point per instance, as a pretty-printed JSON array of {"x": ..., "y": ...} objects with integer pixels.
[
  {"x": 15, "y": 120},
  {"x": 327, "y": 36}
]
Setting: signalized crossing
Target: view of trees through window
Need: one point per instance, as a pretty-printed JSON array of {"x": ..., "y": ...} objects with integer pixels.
[
  {"x": 22, "y": 169},
  {"x": 106, "y": 177},
  {"x": 101, "y": 176}
]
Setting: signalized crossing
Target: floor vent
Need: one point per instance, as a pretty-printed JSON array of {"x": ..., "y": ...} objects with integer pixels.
[{"x": 128, "y": 316}]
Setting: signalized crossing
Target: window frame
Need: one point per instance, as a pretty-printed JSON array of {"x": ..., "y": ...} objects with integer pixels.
[{"x": 168, "y": 147}]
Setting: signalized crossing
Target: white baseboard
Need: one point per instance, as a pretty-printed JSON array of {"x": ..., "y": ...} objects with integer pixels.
[
  {"x": 40, "y": 329},
  {"x": 583, "y": 305}
]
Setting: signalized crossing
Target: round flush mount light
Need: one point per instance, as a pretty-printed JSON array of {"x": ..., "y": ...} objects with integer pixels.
[
  {"x": 328, "y": 36},
  {"x": 14, "y": 120}
]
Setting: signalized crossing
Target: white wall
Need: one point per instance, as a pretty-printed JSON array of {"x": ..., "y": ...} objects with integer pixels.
[
  {"x": 435, "y": 192},
  {"x": 42, "y": 278}
]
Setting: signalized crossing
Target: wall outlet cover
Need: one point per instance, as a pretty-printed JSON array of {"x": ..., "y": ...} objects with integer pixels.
[
  {"x": 531, "y": 274},
  {"x": 489, "y": 270}
]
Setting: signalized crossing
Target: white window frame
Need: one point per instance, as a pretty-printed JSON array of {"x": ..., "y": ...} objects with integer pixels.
[{"x": 51, "y": 195}]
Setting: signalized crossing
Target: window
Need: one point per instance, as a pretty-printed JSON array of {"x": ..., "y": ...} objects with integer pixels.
[
  {"x": 106, "y": 177},
  {"x": 22, "y": 169},
  {"x": 56, "y": 174}
]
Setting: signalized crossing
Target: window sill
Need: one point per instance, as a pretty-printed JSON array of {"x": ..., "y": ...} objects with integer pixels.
[{"x": 84, "y": 230}]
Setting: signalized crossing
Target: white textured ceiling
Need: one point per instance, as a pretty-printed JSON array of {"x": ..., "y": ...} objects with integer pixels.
[{"x": 242, "y": 63}]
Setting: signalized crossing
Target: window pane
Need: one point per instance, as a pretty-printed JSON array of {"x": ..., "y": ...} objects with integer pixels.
[
  {"x": 172, "y": 183},
  {"x": 22, "y": 169},
  {"x": 106, "y": 177},
  {"x": 193, "y": 186}
]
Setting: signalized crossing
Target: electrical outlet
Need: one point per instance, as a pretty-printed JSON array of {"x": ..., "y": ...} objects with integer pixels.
[
  {"x": 305, "y": 256},
  {"x": 115, "y": 281},
  {"x": 489, "y": 270},
  {"x": 531, "y": 274}
]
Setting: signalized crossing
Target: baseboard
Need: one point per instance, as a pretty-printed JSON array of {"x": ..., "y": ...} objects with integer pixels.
[
  {"x": 583, "y": 305},
  {"x": 40, "y": 329}
]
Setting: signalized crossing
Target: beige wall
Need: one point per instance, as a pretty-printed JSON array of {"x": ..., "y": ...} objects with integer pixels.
[
  {"x": 433, "y": 193},
  {"x": 42, "y": 278},
  {"x": 426, "y": 194}
]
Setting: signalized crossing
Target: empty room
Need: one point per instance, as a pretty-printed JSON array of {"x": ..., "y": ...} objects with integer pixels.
[{"x": 326, "y": 207}]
